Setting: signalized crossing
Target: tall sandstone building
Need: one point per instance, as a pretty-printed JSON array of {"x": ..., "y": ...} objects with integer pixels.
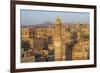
[{"x": 58, "y": 40}]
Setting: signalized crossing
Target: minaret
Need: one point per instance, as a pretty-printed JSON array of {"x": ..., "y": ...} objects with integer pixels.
[{"x": 58, "y": 40}]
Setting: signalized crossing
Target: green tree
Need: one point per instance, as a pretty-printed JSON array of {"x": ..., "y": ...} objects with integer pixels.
[{"x": 26, "y": 45}]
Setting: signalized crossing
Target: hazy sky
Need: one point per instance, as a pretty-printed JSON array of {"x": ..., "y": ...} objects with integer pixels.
[{"x": 33, "y": 17}]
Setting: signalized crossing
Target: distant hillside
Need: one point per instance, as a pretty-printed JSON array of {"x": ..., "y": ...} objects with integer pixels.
[{"x": 45, "y": 25}]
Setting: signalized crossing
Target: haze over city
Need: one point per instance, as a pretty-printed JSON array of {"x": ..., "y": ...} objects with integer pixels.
[{"x": 34, "y": 17}]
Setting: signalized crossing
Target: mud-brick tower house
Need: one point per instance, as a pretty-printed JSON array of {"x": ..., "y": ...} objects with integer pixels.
[{"x": 57, "y": 38}]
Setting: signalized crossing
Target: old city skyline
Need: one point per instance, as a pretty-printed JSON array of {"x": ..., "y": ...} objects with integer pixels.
[{"x": 55, "y": 43}]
